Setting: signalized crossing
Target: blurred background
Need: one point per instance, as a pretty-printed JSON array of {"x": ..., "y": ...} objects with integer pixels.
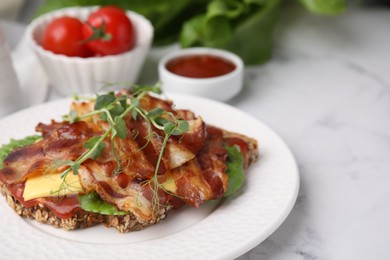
[
  {"x": 23, "y": 10},
  {"x": 234, "y": 23}
]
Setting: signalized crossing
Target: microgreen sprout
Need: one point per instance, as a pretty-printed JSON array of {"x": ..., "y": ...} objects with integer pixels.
[{"x": 113, "y": 109}]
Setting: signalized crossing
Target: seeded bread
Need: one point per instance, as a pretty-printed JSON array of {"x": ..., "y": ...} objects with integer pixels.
[
  {"x": 253, "y": 150},
  {"x": 84, "y": 219},
  {"x": 81, "y": 219}
]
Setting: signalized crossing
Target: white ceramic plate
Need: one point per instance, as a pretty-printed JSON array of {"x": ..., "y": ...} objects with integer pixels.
[{"x": 220, "y": 230}]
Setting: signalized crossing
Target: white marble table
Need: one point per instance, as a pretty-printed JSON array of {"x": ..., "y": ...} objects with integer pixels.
[{"x": 326, "y": 92}]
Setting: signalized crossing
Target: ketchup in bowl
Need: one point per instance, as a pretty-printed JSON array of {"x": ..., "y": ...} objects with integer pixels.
[
  {"x": 200, "y": 66},
  {"x": 201, "y": 71}
]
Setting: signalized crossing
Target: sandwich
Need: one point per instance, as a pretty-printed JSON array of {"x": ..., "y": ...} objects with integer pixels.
[{"x": 122, "y": 159}]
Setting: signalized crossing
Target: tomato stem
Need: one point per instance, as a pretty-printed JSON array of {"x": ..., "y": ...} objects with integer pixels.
[{"x": 98, "y": 33}]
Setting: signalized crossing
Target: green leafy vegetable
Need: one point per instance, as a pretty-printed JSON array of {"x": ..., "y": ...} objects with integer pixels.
[
  {"x": 93, "y": 203},
  {"x": 244, "y": 27},
  {"x": 235, "y": 170},
  {"x": 13, "y": 144}
]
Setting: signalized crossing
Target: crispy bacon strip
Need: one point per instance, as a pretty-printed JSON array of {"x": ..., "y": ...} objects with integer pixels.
[
  {"x": 196, "y": 160},
  {"x": 204, "y": 177}
]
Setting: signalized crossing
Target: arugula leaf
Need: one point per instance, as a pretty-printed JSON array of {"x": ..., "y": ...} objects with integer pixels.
[
  {"x": 93, "y": 203},
  {"x": 235, "y": 170},
  {"x": 6, "y": 149}
]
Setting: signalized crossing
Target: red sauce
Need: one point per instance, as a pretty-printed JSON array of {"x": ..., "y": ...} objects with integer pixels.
[
  {"x": 17, "y": 191},
  {"x": 62, "y": 207},
  {"x": 200, "y": 66},
  {"x": 239, "y": 142}
]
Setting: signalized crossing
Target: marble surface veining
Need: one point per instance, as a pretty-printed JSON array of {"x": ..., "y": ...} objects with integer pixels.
[{"x": 327, "y": 93}]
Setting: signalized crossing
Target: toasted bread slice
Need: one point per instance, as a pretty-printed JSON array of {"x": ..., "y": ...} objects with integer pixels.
[{"x": 124, "y": 223}]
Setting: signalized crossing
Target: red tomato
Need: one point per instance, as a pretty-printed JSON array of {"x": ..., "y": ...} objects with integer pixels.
[
  {"x": 64, "y": 35},
  {"x": 109, "y": 31}
]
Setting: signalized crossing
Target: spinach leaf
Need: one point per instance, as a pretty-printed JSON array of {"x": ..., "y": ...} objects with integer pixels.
[
  {"x": 243, "y": 27},
  {"x": 6, "y": 149},
  {"x": 93, "y": 203},
  {"x": 235, "y": 170}
]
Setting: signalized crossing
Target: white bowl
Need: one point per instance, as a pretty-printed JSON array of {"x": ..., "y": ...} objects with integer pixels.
[
  {"x": 221, "y": 88},
  {"x": 70, "y": 75}
]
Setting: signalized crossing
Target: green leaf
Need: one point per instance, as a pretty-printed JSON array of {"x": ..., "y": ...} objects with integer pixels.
[
  {"x": 183, "y": 126},
  {"x": 235, "y": 170},
  {"x": 75, "y": 168},
  {"x": 135, "y": 102},
  {"x": 123, "y": 101},
  {"x": 72, "y": 116},
  {"x": 137, "y": 89},
  {"x": 191, "y": 34},
  {"x": 328, "y": 7},
  {"x": 161, "y": 121},
  {"x": 120, "y": 127},
  {"x": 243, "y": 27},
  {"x": 98, "y": 150},
  {"x": 228, "y": 8},
  {"x": 6, "y": 149},
  {"x": 134, "y": 114},
  {"x": 105, "y": 100},
  {"x": 155, "y": 112},
  {"x": 169, "y": 127},
  {"x": 91, "y": 142},
  {"x": 93, "y": 203},
  {"x": 116, "y": 110},
  {"x": 103, "y": 116}
]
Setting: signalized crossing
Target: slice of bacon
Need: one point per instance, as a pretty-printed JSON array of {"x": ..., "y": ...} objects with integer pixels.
[
  {"x": 61, "y": 142},
  {"x": 204, "y": 177},
  {"x": 196, "y": 161}
]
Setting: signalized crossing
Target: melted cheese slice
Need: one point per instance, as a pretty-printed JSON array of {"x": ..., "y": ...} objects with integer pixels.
[
  {"x": 51, "y": 185},
  {"x": 169, "y": 184}
]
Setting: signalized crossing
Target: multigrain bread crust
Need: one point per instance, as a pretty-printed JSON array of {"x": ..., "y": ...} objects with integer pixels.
[
  {"x": 81, "y": 219},
  {"x": 123, "y": 223}
]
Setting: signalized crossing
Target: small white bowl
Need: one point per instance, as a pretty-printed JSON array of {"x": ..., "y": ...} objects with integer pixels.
[
  {"x": 70, "y": 75},
  {"x": 221, "y": 88}
]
